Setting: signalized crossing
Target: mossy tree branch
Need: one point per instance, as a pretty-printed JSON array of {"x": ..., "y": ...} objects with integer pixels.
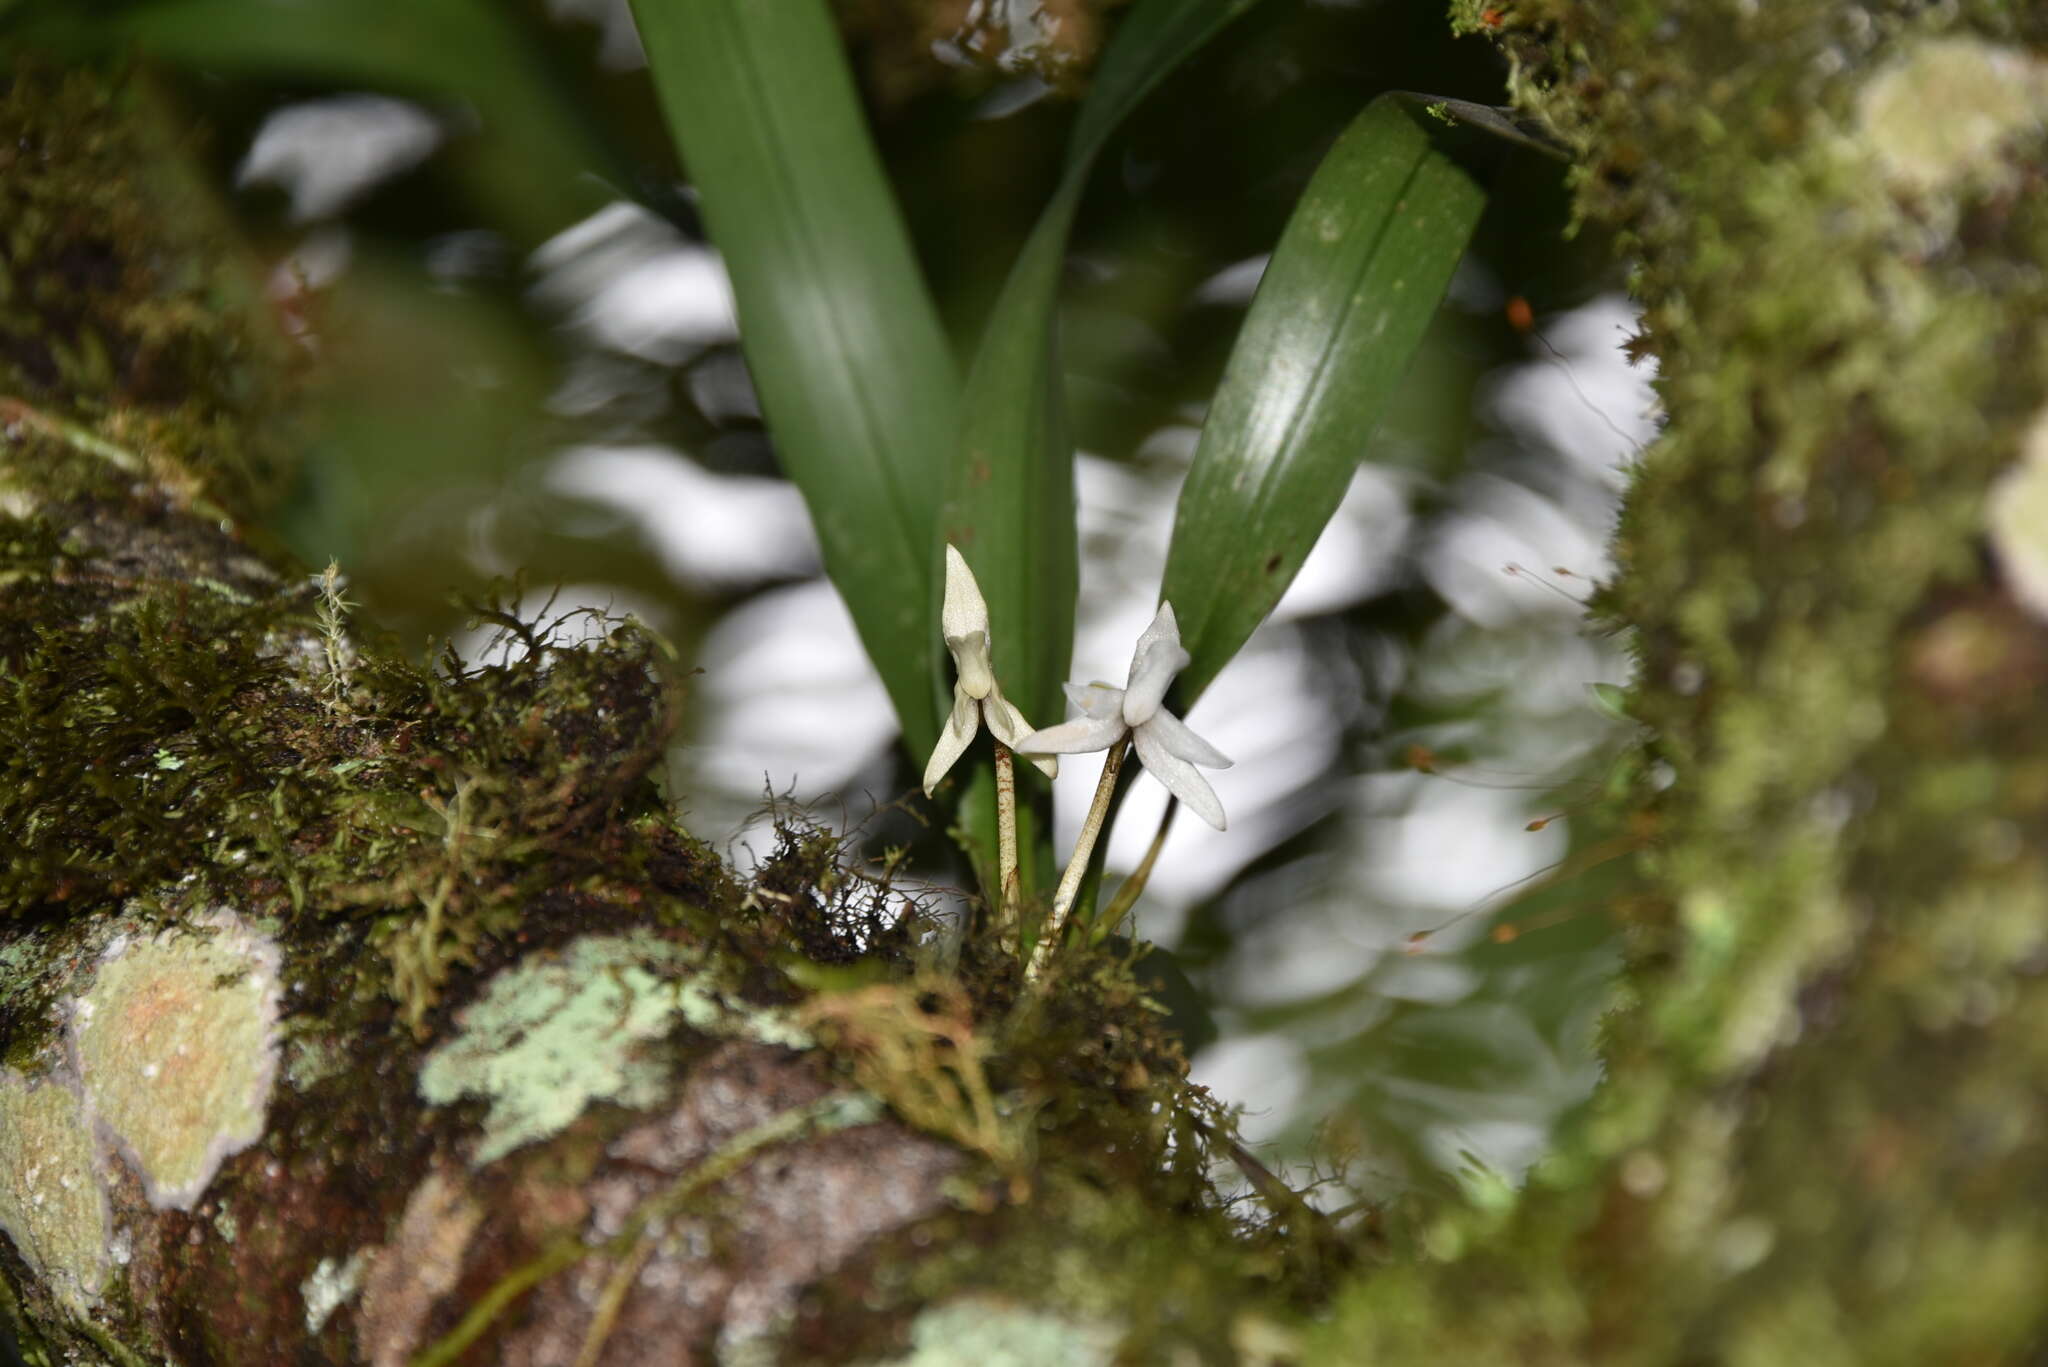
[
  {"x": 357, "y": 1011},
  {"x": 1822, "y": 1135}
]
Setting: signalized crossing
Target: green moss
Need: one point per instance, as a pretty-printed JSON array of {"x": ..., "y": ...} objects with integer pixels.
[
  {"x": 52, "y": 1203},
  {"x": 564, "y": 1028},
  {"x": 111, "y": 310},
  {"x": 1833, "y": 993}
]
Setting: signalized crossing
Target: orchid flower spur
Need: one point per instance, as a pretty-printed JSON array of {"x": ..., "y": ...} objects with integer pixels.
[
  {"x": 977, "y": 697},
  {"x": 1168, "y": 749}
]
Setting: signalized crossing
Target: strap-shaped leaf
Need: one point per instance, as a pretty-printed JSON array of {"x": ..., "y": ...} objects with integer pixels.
[
  {"x": 1345, "y": 300},
  {"x": 839, "y": 330},
  {"x": 1011, "y": 508}
]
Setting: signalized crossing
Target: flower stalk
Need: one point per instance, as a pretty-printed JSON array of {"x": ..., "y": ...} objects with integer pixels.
[
  {"x": 1007, "y": 915},
  {"x": 978, "y": 702},
  {"x": 1055, "y": 927}
]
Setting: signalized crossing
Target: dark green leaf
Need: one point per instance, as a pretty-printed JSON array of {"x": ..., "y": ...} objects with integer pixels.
[
  {"x": 1011, "y": 499},
  {"x": 845, "y": 347},
  {"x": 1011, "y": 510},
  {"x": 1351, "y": 287}
]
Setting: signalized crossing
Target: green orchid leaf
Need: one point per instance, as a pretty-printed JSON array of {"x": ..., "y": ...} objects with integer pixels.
[
  {"x": 1011, "y": 504},
  {"x": 1350, "y": 289},
  {"x": 839, "y": 330}
]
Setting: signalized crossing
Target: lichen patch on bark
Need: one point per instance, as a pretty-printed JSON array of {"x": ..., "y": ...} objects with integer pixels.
[
  {"x": 176, "y": 1044},
  {"x": 1944, "y": 112},
  {"x": 52, "y": 1202},
  {"x": 2016, "y": 516},
  {"x": 564, "y": 1028}
]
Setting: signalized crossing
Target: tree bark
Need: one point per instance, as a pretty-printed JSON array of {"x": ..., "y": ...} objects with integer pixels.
[{"x": 350, "y": 1011}]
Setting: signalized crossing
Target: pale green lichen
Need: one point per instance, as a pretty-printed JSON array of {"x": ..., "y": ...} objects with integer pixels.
[
  {"x": 2016, "y": 515},
  {"x": 564, "y": 1028},
  {"x": 52, "y": 1203},
  {"x": 1942, "y": 115},
  {"x": 310, "y": 1059},
  {"x": 176, "y": 1043},
  {"x": 980, "y": 1331},
  {"x": 328, "y": 1287}
]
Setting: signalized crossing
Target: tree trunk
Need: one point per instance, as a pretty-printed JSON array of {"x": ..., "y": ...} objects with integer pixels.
[
  {"x": 350, "y": 1011},
  {"x": 1823, "y": 1135}
]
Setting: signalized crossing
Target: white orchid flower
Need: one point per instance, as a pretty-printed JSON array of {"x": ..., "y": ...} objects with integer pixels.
[
  {"x": 977, "y": 697},
  {"x": 1168, "y": 749}
]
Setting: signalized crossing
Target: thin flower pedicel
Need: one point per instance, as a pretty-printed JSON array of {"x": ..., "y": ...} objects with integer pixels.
[{"x": 1112, "y": 719}]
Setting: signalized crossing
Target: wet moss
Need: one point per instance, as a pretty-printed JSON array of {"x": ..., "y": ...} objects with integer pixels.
[
  {"x": 1817, "y": 1123},
  {"x": 116, "y": 310}
]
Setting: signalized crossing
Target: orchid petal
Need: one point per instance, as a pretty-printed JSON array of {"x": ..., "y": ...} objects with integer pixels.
[
  {"x": 1158, "y": 658},
  {"x": 1074, "y": 737},
  {"x": 965, "y": 612},
  {"x": 1174, "y": 735},
  {"x": 1007, "y": 725},
  {"x": 960, "y": 728},
  {"x": 1181, "y": 778},
  {"x": 964, "y": 623},
  {"x": 1098, "y": 700}
]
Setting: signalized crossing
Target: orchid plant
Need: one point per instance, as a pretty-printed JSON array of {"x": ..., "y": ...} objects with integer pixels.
[
  {"x": 909, "y": 466},
  {"x": 911, "y": 471}
]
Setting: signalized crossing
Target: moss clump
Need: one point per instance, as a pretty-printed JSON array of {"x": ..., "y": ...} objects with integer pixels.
[
  {"x": 108, "y": 317},
  {"x": 1792, "y": 1157}
]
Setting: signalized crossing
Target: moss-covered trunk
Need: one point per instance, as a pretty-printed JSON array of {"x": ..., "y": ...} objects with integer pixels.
[
  {"x": 350, "y": 1011},
  {"x": 1823, "y": 1136}
]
